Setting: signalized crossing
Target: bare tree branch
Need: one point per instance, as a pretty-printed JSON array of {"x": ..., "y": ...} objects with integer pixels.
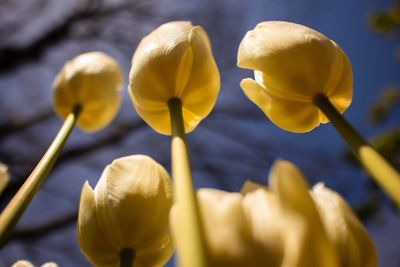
[{"x": 12, "y": 57}]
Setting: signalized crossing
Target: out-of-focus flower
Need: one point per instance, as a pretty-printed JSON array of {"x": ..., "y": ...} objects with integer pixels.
[
  {"x": 24, "y": 263},
  {"x": 93, "y": 81},
  {"x": 4, "y": 177},
  {"x": 286, "y": 225},
  {"x": 128, "y": 209},
  {"x": 292, "y": 64},
  {"x": 348, "y": 235},
  {"x": 174, "y": 61},
  {"x": 324, "y": 220}
]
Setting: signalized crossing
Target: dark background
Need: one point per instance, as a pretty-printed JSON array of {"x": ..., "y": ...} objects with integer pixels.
[{"x": 236, "y": 142}]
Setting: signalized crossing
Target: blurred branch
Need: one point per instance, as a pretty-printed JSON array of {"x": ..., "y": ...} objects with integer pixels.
[
  {"x": 12, "y": 126},
  {"x": 12, "y": 57},
  {"x": 117, "y": 135}
]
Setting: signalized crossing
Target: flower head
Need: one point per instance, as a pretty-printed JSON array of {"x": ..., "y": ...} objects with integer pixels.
[
  {"x": 292, "y": 64},
  {"x": 174, "y": 61},
  {"x": 92, "y": 81},
  {"x": 128, "y": 209},
  {"x": 286, "y": 225}
]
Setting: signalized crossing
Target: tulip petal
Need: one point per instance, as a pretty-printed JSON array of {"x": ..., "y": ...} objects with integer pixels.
[
  {"x": 250, "y": 186},
  {"x": 94, "y": 245},
  {"x": 355, "y": 247},
  {"x": 289, "y": 184},
  {"x": 339, "y": 91},
  {"x": 265, "y": 218},
  {"x": 103, "y": 116},
  {"x": 294, "y": 116},
  {"x": 227, "y": 235},
  {"x": 292, "y": 190},
  {"x": 202, "y": 88},
  {"x": 156, "y": 256},
  {"x": 256, "y": 93}
]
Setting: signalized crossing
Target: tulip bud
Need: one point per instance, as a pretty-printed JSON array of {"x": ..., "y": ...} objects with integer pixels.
[
  {"x": 4, "y": 177},
  {"x": 292, "y": 64},
  {"x": 93, "y": 82},
  {"x": 128, "y": 209},
  {"x": 286, "y": 225},
  {"x": 174, "y": 61}
]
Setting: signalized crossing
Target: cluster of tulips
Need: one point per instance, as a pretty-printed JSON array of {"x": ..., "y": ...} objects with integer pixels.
[{"x": 137, "y": 216}]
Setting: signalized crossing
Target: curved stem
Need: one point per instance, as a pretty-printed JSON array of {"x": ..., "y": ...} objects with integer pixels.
[
  {"x": 16, "y": 207},
  {"x": 127, "y": 256},
  {"x": 374, "y": 163},
  {"x": 190, "y": 241}
]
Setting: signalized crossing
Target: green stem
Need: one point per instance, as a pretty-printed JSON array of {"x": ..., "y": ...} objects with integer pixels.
[
  {"x": 375, "y": 164},
  {"x": 190, "y": 240},
  {"x": 16, "y": 207},
  {"x": 127, "y": 256}
]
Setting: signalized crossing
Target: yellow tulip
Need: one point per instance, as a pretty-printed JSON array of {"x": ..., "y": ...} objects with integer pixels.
[
  {"x": 284, "y": 226},
  {"x": 93, "y": 82},
  {"x": 4, "y": 177},
  {"x": 292, "y": 64},
  {"x": 174, "y": 61},
  {"x": 127, "y": 210},
  {"x": 86, "y": 94}
]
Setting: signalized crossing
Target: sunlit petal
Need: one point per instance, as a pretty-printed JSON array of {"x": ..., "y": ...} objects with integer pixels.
[{"x": 93, "y": 243}]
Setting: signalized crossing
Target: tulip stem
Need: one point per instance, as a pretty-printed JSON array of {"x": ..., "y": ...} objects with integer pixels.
[
  {"x": 190, "y": 241},
  {"x": 16, "y": 207},
  {"x": 374, "y": 163},
  {"x": 127, "y": 256}
]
